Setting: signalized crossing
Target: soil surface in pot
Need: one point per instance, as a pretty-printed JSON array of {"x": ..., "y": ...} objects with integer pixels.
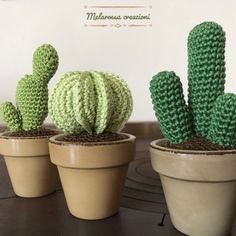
[
  {"x": 34, "y": 133},
  {"x": 91, "y": 138},
  {"x": 197, "y": 143}
]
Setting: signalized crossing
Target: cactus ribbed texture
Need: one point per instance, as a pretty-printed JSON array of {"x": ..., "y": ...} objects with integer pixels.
[
  {"x": 32, "y": 93},
  {"x": 170, "y": 107},
  {"x": 90, "y": 101},
  {"x": 206, "y": 72},
  {"x": 222, "y": 130}
]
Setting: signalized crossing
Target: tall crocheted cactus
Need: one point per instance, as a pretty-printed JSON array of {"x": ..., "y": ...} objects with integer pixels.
[
  {"x": 206, "y": 72},
  {"x": 170, "y": 107},
  {"x": 212, "y": 113},
  {"x": 90, "y": 101},
  {"x": 32, "y": 93}
]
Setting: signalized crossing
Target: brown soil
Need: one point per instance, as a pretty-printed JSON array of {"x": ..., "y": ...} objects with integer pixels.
[
  {"x": 196, "y": 143},
  {"x": 34, "y": 133},
  {"x": 91, "y": 138}
]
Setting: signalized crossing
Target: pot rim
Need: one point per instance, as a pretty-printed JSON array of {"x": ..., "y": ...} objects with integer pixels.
[
  {"x": 94, "y": 155},
  {"x": 156, "y": 144},
  {"x": 54, "y": 140},
  {"x": 5, "y": 135}
]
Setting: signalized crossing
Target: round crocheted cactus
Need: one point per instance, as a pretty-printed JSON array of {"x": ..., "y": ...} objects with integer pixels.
[
  {"x": 90, "y": 101},
  {"x": 170, "y": 107},
  {"x": 222, "y": 130},
  {"x": 32, "y": 93},
  {"x": 206, "y": 72}
]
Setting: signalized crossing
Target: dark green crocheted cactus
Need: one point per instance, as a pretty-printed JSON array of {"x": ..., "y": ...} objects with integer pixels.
[
  {"x": 170, "y": 107},
  {"x": 32, "y": 93},
  {"x": 210, "y": 112},
  {"x": 206, "y": 72},
  {"x": 222, "y": 130}
]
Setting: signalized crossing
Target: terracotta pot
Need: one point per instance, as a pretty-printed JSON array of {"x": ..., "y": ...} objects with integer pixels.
[
  {"x": 28, "y": 164},
  {"x": 92, "y": 174},
  {"x": 199, "y": 187}
]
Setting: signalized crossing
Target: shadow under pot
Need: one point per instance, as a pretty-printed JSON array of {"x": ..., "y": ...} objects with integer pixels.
[
  {"x": 28, "y": 164},
  {"x": 199, "y": 187},
  {"x": 92, "y": 174}
]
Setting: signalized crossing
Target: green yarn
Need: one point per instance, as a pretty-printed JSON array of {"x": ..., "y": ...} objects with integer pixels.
[
  {"x": 170, "y": 107},
  {"x": 206, "y": 72},
  {"x": 45, "y": 62},
  {"x": 32, "y": 93},
  {"x": 11, "y": 116},
  {"x": 210, "y": 112},
  {"x": 90, "y": 101},
  {"x": 222, "y": 130}
]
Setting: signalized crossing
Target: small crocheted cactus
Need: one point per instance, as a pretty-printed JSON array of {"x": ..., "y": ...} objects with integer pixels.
[
  {"x": 32, "y": 93},
  {"x": 210, "y": 112},
  {"x": 206, "y": 72},
  {"x": 222, "y": 130},
  {"x": 90, "y": 101},
  {"x": 170, "y": 107}
]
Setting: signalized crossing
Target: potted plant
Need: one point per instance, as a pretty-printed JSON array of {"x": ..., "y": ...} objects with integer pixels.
[
  {"x": 92, "y": 157},
  {"x": 25, "y": 147},
  {"x": 197, "y": 160}
]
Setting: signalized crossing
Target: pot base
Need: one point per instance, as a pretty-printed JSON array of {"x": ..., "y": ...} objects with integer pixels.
[
  {"x": 199, "y": 208},
  {"x": 93, "y": 194},
  {"x": 32, "y": 176}
]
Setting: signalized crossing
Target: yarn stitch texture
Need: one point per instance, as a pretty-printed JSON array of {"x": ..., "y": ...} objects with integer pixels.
[
  {"x": 222, "y": 130},
  {"x": 170, "y": 107},
  {"x": 90, "y": 101},
  {"x": 206, "y": 72},
  {"x": 32, "y": 93},
  {"x": 210, "y": 112}
]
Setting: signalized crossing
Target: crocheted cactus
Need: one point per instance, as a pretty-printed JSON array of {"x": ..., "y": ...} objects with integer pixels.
[
  {"x": 32, "y": 93},
  {"x": 90, "y": 101},
  {"x": 170, "y": 107},
  {"x": 222, "y": 130},
  {"x": 206, "y": 72},
  {"x": 210, "y": 112}
]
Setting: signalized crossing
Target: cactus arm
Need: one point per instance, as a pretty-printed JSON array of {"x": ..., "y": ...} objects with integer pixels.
[
  {"x": 11, "y": 116},
  {"x": 170, "y": 107},
  {"x": 122, "y": 103},
  {"x": 206, "y": 72},
  {"x": 104, "y": 98},
  {"x": 45, "y": 62},
  {"x": 222, "y": 130}
]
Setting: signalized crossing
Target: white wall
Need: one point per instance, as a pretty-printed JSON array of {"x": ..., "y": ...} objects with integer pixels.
[{"x": 134, "y": 53}]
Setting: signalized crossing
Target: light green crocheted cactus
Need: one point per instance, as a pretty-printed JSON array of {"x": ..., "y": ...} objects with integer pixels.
[
  {"x": 90, "y": 101},
  {"x": 170, "y": 107},
  {"x": 32, "y": 93},
  {"x": 212, "y": 113}
]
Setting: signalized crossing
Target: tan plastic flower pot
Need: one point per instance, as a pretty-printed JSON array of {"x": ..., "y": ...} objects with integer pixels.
[
  {"x": 92, "y": 174},
  {"x": 199, "y": 187},
  {"x": 28, "y": 164}
]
